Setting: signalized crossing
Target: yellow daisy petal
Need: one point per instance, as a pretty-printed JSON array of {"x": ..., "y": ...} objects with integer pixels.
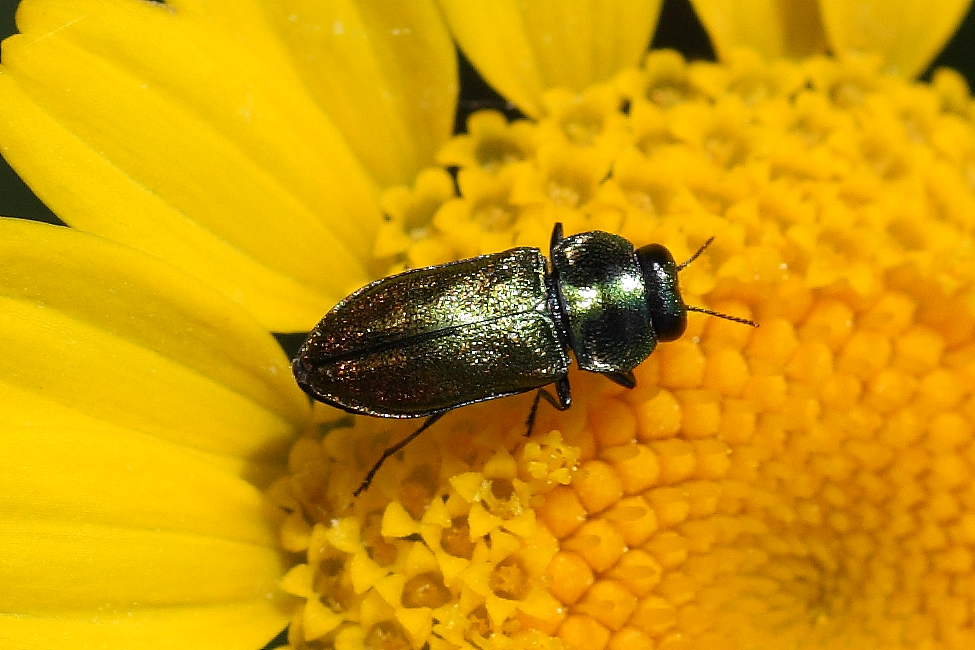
[
  {"x": 193, "y": 142},
  {"x": 785, "y": 28},
  {"x": 95, "y": 334},
  {"x": 115, "y": 537},
  {"x": 386, "y": 74},
  {"x": 123, "y": 478},
  {"x": 526, "y": 48},
  {"x": 906, "y": 33},
  {"x": 129, "y": 391},
  {"x": 240, "y": 626}
]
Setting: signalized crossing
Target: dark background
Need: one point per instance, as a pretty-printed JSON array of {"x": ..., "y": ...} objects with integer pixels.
[{"x": 678, "y": 28}]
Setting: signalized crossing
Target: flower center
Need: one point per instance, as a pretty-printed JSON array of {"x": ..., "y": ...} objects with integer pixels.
[{"x": 806, "y": 484}]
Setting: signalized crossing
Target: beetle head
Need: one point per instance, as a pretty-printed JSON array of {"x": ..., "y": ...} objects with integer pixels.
[{"x": 668, "y": 313}]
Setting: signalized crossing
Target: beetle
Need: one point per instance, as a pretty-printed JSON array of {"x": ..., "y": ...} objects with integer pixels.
[{"x": 429, "y": 340}]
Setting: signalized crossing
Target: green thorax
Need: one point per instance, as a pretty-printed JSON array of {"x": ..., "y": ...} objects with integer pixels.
[{"x": 604, "y": 294}]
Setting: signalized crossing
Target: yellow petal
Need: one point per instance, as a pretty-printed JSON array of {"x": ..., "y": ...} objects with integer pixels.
[
  {"x": 526, "y": 48},
  {"x": 781, "y": 28},
  {"x": 98, "y": 335},
  {"x": 115, "y": 373},
  {"x": 386, "y": 74},
  {"x": 239, "y": 626},
  {"x": 906, "y": 33},
  {"x": 191, "y": 138},
  {"x": 103, "y": 520}
]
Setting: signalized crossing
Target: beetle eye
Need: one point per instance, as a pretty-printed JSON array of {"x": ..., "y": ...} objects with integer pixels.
[{"x": 667, "y": 311}]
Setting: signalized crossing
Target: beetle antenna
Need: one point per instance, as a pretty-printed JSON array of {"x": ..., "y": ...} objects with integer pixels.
[
  {"x": 743, "y": 321},
  {"x": 697, "y": 254}
]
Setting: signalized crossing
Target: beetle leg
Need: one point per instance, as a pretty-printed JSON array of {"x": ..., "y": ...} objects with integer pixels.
[
  {"x": 624, "y": 379},
  {"x": 565, "y": 394},
  {"x": 395, "y": 448},
  {"x": 556, "y": 234},
  {"x": 563, "y": 402},
  {"x": 532, "y": 412}
]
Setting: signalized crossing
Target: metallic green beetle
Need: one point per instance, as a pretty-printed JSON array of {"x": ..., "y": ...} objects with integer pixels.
[{"x": 430, "y": 340}]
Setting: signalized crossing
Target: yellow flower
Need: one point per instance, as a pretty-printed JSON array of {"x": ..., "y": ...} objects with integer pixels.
[{"x": 802, "y": 485}]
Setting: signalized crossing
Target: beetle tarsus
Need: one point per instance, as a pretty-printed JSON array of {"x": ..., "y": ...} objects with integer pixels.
[{"x": 367, "y": 481}]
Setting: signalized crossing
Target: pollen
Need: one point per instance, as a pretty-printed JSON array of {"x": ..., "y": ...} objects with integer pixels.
[{"x": 803, "y": 485}]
